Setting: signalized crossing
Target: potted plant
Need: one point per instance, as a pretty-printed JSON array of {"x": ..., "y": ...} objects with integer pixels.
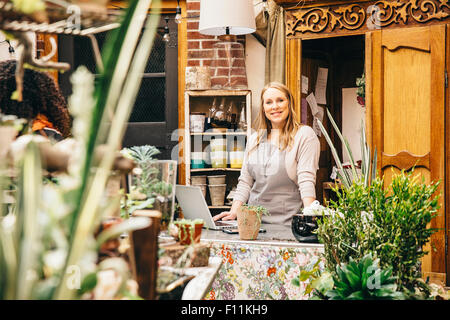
[
  {"x": 361, "y": 91},
  {"x": 249, "y": 221},
  {"x": 189, "y": 231},
  {"x": 152, "y": 184},
  {"x": 370, "y": 223}
]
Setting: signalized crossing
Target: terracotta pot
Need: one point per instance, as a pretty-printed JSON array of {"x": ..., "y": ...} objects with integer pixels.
[
  {"x": 217, "y": 194},
  {"x": 213, "y": 180},
  {"x": 185, "y": 232},
  {"x": 248, "y": 224},
  {"x": 195, "y": 180}
]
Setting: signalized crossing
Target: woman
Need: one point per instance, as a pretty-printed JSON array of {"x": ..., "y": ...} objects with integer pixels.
[
  {"x": 280, "y": 161},
  {"x": 42, "y": 103}
]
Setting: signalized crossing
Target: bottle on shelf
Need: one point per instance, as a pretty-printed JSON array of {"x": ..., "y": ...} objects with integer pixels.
[
  {"x": 220, "y": 119},
  {"x": 210, "y": 117},
  {"x": 242, "y": 125},
  {"x": 229, "y": 115}
]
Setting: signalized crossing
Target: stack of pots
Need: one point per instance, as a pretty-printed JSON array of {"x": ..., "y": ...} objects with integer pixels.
[
  {"x": 217, "y": 188},
  {"x": 199, "y": 181}
]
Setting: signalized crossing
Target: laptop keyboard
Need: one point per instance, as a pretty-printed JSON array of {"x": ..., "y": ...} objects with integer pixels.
[{"x": 226, "y": 224}]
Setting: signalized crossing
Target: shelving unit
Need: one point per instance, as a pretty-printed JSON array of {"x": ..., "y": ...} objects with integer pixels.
[{"x": 201, "y": 101}]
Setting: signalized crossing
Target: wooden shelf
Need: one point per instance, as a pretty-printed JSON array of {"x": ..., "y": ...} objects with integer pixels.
[
  {"x": 201, "y": 101},
  {"x": 214, "y": 169},
  {"x": 227, "y": 133},
  {"x": 220, "y": 92}
]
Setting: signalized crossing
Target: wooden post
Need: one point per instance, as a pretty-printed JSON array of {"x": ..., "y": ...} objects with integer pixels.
[{"x": 144, "y": 254}]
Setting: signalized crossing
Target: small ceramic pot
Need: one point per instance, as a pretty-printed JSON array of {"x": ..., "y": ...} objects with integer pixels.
[
  {"x": 303, "y": 228},
  {"x": 189, "y": 233}
]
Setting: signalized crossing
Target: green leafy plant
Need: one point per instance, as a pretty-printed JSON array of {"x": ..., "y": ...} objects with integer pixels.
[
  {"x": 259, "y": 210},
  {"x": 319, "y": 282},
  {"x": 141, "y": 154},
  {"x": 391, "y": 223},
  {"x": 363, "y": 280},
  {"x": 146, "y": 185},
  {"x": 368, "y": 167},
  {"x": 368, "y": 217},
  {"x": 143, "y": 181}
]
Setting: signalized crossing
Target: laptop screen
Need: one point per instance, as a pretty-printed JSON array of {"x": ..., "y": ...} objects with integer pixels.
[{"x": 193, "y": 204}]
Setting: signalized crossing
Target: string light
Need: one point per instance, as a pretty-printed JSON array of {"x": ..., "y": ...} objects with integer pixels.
[
  {"x": 178, "y": 16},
  {"x": 166, "y": 36}
]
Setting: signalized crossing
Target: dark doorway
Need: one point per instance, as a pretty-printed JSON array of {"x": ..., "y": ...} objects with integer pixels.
[{"x": 155, "y": 114}]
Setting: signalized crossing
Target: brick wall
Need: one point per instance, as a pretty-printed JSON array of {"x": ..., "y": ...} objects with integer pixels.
[{"x": 200, "y": 51}]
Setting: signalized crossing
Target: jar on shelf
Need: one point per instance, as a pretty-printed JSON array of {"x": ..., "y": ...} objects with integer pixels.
[
  {"x": 218, "y": 144},
  {"x": 218, "y": 159},
  {"x": 197, "y": 122},
  {"x": 236, "y": 159}
]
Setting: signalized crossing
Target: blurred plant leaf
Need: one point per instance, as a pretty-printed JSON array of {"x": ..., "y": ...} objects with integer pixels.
[{"x": 133, "y": 223}]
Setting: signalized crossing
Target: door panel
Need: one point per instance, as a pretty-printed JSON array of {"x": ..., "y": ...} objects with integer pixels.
[{"x": 407, "y": 114}]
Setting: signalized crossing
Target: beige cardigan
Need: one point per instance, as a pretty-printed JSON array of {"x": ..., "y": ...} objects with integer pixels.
[{"x": 302, "y": 163}]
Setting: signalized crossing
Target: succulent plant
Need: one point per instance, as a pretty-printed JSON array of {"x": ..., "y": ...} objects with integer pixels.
[
  {"x": 364, "y": 280},
  {"x": 142, "y": 154}
]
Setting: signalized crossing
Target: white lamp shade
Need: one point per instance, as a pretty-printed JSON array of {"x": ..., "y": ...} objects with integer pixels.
[{"x": 216, "y": 15}]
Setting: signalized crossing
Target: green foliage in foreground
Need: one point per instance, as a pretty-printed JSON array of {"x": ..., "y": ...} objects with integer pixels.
[
  {"x": 390, "y": 223},
  {"x": 363, "y": 280}
]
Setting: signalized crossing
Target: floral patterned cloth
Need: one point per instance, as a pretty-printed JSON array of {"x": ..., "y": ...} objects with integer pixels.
[{"x": 261, "y": 272}]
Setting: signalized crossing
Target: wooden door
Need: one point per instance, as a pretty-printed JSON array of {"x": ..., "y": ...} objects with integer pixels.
[{"x": 405, "y": 71}]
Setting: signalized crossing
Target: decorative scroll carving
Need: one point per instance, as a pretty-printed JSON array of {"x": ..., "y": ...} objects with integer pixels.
[
  {"x": 318, "y": 19},
  {"x": 364, "y": 16},
  {"x": 405, "y": 160}
]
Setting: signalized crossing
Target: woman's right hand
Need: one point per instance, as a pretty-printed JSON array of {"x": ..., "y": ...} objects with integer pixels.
[
  {"x": 230, "y": 215},
  {"x": 226, "y": 215}
]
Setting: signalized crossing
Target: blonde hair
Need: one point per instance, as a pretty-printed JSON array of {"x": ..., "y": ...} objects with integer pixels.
[{"x": 263, "y": 125}]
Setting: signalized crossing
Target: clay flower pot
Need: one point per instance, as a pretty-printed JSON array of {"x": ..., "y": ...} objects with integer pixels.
[
  {"x": 189, "y": 232},
  {"x": 249, "y": 221}
]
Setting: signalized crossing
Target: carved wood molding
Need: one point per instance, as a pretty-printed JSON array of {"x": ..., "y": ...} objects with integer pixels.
[
  {"x": 405, "y": 160},
  {"x": 359, "y": 17}
]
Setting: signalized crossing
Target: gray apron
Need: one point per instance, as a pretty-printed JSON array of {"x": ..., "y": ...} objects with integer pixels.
[{"x": 272, "y": 187}]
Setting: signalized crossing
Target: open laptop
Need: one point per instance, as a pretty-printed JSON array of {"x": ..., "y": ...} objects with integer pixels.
[{"x": 194, "y": 206}]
